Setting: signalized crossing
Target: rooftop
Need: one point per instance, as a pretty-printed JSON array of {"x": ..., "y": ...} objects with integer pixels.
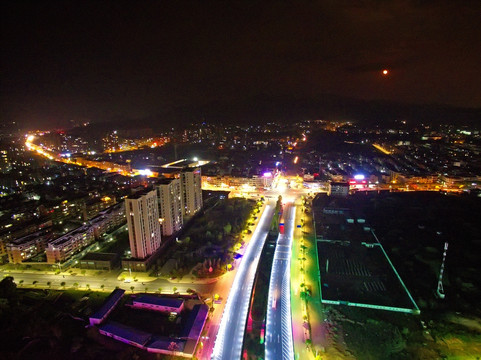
[
  {"x": 68, "y": 236},
  {"x": 165, "y": 181},
  {"x": 165, "y": 343},
  {"x": 195, "y": 321},
  {"x": 111, "y": 209},
  {"x": 160, "y": 301},
  {"x": 110, "y": 302},
  {"x": 37, "y": 235},
  {"x": 139, "y": 194},
  {"x": 126, "y": 332},
  {"x": 190, "y": 169}
]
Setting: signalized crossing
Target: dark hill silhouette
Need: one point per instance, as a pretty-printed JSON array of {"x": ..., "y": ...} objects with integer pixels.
[{"x": 262, "y": 108}]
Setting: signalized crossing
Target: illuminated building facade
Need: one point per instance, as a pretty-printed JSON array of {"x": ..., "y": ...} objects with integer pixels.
[
  {"x": 239, "y": 183},
  {"x": 5, "y": 164},
  {"x": 62, "y": 248},
  {"x": 338, "y": 188},
  {"x": 143, "y": 222},
  {"x": 191, "y": 180},
  {"x": 169, "y": 197},
  {"x": 26, "y": 247},
  {"x": 108, "y": 219}
]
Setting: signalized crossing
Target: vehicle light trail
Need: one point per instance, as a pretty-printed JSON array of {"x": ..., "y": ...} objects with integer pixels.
[
  {"x": 230, "y": 337},
  {"x": 279, "y": 343}
]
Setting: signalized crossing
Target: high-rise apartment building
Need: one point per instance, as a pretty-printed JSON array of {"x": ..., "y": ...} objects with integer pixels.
[
  {"x": 190, "y": 179},
  {"x": 143, "y": 223},
  {"x": 169, "y": 197}
]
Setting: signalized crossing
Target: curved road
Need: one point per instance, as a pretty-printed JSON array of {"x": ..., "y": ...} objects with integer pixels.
[{"x": 228, "y": 344}]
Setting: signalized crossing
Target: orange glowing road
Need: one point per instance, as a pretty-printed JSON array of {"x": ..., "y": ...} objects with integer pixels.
[
  {"x": 381, "y": 149},
  {"x": 79, "y": 161}
]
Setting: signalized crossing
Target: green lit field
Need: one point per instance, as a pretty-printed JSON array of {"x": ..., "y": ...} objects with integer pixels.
[
  {"x": 354, "y": 268},
  {"x": 413, "y": 228}
]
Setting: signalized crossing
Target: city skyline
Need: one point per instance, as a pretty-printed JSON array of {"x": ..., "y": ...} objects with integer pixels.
[
  {"x": 237, "y": 180},
  {"x": 268, "y": 229}
]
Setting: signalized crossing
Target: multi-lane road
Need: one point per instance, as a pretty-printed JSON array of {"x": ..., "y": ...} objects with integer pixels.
[
  {"x": 95, "y": 282},
  {"x": 278, "y": 338},
  {"x": 222, "y": 288},
  {"x": 228, "y": 344}
]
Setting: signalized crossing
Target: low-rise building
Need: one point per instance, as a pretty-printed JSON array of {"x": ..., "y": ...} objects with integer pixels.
[
  {"x": 99, "y": 261},
  {"x": 126, "y": 334},
  {"x": 60, "y": 249},
  {"x": 238, "y": 183},
  {"x": 64, "y": 247},
  {"x": 28, "y": 246},
  {"x": 338, "y": 189},
  {"x": 194, "y": 326},
  {"x": 11, "y": 232},
  {"x": 109, "y": 304},
  {"x": 182, "y": 345},
  {"x": 109, "y": 219},
  {"x": 163, "y": 304}
]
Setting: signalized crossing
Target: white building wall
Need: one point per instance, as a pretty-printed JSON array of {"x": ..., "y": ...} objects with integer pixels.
[
  {"x": 169, "y": 196},
  {"x": 143, "y": 223},
  {"x": 191, "y": 191}
]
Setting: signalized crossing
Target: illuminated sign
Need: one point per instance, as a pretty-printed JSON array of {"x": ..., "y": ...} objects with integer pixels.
[{"x": 358, "y": 182}]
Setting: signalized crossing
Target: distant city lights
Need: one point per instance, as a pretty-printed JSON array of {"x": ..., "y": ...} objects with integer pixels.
[{"x": 145, "y": 172}]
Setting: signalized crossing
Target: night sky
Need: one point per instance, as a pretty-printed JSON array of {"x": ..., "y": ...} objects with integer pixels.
[{"x": 97, "y": 60}]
